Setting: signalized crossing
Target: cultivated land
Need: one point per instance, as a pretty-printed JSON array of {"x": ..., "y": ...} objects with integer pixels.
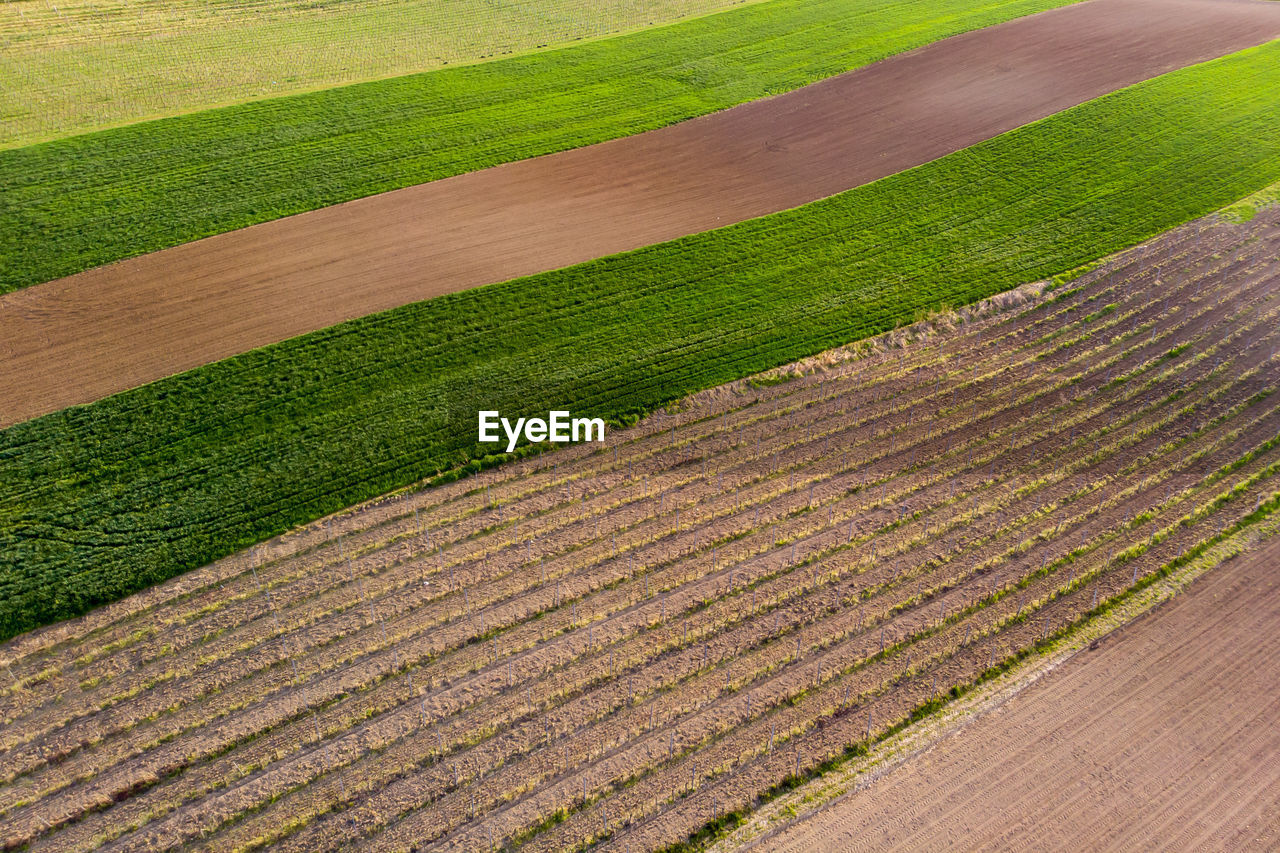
[
  {"x": 76, "y": 203},
  {"x": 614, "y": 644},
  {"x": 116, "y": 327},
  {"x": 176, "y": 474},
  {"x": 103, "y": 500},
  {"x": 85, "y": 64},
  {"x": 1165, "y": 735}
]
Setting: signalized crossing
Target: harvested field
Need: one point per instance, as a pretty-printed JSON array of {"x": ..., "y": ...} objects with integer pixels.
[
  {"x": 1165, "y": 736},
  {"x": 78, "y": 339},
  {"x": 615, "y": 644}
]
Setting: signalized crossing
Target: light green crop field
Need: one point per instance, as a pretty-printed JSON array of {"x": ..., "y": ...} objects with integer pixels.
[
  {"x": 75, "y": 203},
  {"x": 79, "y": 65},
  {"x": 98, "y": 501}
]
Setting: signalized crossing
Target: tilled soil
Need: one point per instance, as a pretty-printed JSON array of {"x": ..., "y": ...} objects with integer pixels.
[
  {"x": 614, "y": 643},
  {"x": 1164, "y": 736},
  {"x": 84, "y": 337}
]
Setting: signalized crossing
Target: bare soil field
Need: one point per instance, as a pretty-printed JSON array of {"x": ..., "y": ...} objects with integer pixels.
[
  {"x": 78, "y": 339},
  {"x": 1166, "y": 736},
  {"x": 613, "y": 644}
]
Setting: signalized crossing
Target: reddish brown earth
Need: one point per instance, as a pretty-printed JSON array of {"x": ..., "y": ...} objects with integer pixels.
[
  {"x": 1166, "y": 737},
  {"x": 87, "y": 336}
]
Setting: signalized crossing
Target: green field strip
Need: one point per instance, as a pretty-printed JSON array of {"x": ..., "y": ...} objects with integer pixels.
[
  {"x": 104, "y": 499},
  {"x": 72, "y": 204}
]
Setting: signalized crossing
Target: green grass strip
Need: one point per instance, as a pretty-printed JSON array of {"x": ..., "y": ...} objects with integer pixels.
[
  {"x": 101, "y": 500},
  {"x": 76, "y": 203}
]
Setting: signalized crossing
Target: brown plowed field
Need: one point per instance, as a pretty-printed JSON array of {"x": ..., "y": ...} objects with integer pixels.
[
  {"x": 641, "y": 633},
  {"x": 1165, "y": 737},
  {"x": 84, "y": 337}
]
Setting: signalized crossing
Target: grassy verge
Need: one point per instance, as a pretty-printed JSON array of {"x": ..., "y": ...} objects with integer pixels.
[
  {"x": 77, "y": 203},
  {"x": 101, "y": 500}
]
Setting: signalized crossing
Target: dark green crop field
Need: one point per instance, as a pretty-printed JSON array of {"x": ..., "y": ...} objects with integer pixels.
[
  {"x": 101, "y": 500},
  {"x": 76, "y": 203}
]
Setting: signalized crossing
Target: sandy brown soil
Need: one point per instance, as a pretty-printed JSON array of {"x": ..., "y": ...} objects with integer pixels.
[
  {"x": 84, "y": 337},
  {"x": 1167, "y": 736}
]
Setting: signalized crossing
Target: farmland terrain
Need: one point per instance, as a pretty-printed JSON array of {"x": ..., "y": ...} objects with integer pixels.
[
  {"x": 82, "y": 338},
  {"x": 102, "y": 500},
  {"x": 917, "y": 374},
  {"x": 82, "y": 201},
  {"x": 85, "y": 64},
  {"x": 615, "y": 644},
  {"x": 1166, "y": 734}
]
